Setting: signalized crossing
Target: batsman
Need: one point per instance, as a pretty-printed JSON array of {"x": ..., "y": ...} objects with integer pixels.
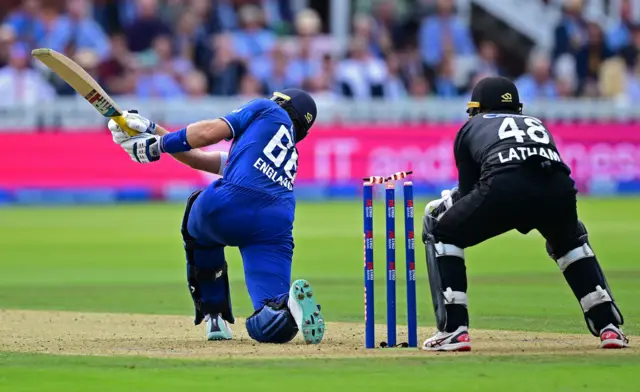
[
  {"x": 251, "y": 207},
  {"x": 511, "y": 176}
]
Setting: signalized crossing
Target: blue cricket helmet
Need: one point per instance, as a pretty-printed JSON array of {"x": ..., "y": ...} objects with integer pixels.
[{"x": 301, "y": 108}]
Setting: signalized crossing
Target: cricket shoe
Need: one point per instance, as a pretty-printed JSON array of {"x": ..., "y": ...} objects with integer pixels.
[
  {"x": 306, "y": 312},
  {"x": 612, "y": 337},
  {"x": 457, "y": 340},
  {"x": 217, "y": 328}
]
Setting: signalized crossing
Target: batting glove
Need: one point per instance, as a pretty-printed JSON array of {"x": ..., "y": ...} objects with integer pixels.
[
  {"x": 135, "y": 122},
  {"x": 143, "y": 148}
]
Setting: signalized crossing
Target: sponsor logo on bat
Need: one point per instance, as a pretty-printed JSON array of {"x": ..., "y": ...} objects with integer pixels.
[{"x": 100, "y": 103}]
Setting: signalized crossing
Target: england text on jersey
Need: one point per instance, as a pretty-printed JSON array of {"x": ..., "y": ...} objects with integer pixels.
[
  {"x": 272, "y": 173},
  {"x": 522, "y": 153}
]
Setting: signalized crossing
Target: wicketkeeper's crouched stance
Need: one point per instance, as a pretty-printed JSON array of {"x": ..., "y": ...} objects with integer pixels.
[
  {"x": 252, "y": 207},
  {"x": 511, "y": 176}
]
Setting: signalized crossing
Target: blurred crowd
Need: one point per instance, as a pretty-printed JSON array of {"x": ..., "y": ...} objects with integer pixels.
[
  {"x": 589, "y": 58},
  {"x": 397, "y": 48}
]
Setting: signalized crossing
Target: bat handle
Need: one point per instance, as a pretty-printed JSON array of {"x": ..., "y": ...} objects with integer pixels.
[{"x": 122, "y": 123}]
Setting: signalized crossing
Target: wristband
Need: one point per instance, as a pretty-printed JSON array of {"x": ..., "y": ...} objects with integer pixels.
[
  {"x": 223, "y": 162},
  {"x": 174, "y": 142}
]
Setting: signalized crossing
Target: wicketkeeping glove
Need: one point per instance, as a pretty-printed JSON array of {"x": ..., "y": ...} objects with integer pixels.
[{"x": 143, "y": 148}]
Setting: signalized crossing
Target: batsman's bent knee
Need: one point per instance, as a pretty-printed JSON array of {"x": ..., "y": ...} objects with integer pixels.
[{"x": 273, "y": 323}]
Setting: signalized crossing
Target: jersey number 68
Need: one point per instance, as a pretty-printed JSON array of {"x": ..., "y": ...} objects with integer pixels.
[{"x": 291, "y": 167}]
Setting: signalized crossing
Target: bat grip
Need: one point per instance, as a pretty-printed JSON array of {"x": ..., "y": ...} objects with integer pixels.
[{"x": 122, "y": 123}]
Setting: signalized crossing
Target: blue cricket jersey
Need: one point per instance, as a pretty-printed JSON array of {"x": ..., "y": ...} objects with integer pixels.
[{"x": 263, "y": 153}]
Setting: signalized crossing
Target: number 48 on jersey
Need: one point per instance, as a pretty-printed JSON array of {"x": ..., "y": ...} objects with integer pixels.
[{"x": 534, "y": 135}]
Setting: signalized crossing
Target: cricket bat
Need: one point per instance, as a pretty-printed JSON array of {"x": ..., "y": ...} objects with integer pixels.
[{"x": 84, "y": 84}]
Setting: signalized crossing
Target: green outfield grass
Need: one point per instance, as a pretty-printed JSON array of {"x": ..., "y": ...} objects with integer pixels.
[
  {"x": 22, "y": 373},
  {"x": 129, "y": 259}
]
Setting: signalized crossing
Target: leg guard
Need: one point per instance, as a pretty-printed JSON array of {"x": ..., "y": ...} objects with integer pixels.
[
  {"x": 447, "y": 279},
  {"x": 206, "y": 275},
  {"x": 588, "y": 283},
  {"x": 273, "y": 323}
]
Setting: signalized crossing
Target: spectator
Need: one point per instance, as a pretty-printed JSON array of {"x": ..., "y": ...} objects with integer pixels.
[
  {"x": 565, "y": 88},
  {"x": 195, "y": 84},
  {"x": 571, "y": 33},
  {"x": 306, "y": 65},
  {"x": 631, "y": 56},
  {"x": 324, "y": 83},
  {"x": 308, "y": 28},
  {"x": 89, "y": 61},
  {"x": 488, "y": 59},
  {"x": 613, "y": 78},
  {"x": 619, "y": 35},
  {"x": 444, "y": 83},
  {"x": 27, "y": 23},
  {"x": 379, "y": 42},
  {"x": 410, "y": 65},
  {"x": 537, "y": 83},
  {"x": 590, "y": 57},
  {"x": 442, "y": 33},
  {"x": 565, "y": 72},
  {"x": 174, "y": 66},
  {"x": 633, "y": 83},
  {"x": 225, "y": 69},
  {"x": 190, "y": 37},
  {"x": 361, "y": 75},
  {"x": 419, "y": 87},
  {"x": 21, "y": 85},
  {"x": 127, "y": 11},
  {"x": 75, "y": 30},
  {"x": 113, "y": 70},
  {"x": 394, "y": 88},
  {"x": 145, "y": 27},
  {"x": 250, "y": 88},
  {"x": 207, "y": 19},
  {"x": 635, "y": 41},
  {"x": 7, "y": 38},
  {"x": 279, "y": 15},
  {"x": 274, "y": 71},
  {"x": 632, "y": 50},
  {"x": 252, "y": 40},
  {"x": 151, "y": 82},
  {"x": 308, "y": 23},
  {"x": 387, "y": 23},
  {"x": 226, "y": 14}
]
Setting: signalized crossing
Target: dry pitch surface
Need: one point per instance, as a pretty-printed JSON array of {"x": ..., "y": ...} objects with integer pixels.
[{"x": 177, "y": 337}]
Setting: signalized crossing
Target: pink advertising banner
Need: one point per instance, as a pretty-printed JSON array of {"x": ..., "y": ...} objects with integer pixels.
[{"x": 330, "y": 155}]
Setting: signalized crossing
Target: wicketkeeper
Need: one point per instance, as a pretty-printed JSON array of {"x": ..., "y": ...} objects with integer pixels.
[
  {"x": 511, "y": 176},
  {"x": 251, "y": 207}
]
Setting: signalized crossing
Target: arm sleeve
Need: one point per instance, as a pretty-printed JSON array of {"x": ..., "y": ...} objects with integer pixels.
[
  {"x": 239, "y": 119},
  {"x": 468, "y": 170}
]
